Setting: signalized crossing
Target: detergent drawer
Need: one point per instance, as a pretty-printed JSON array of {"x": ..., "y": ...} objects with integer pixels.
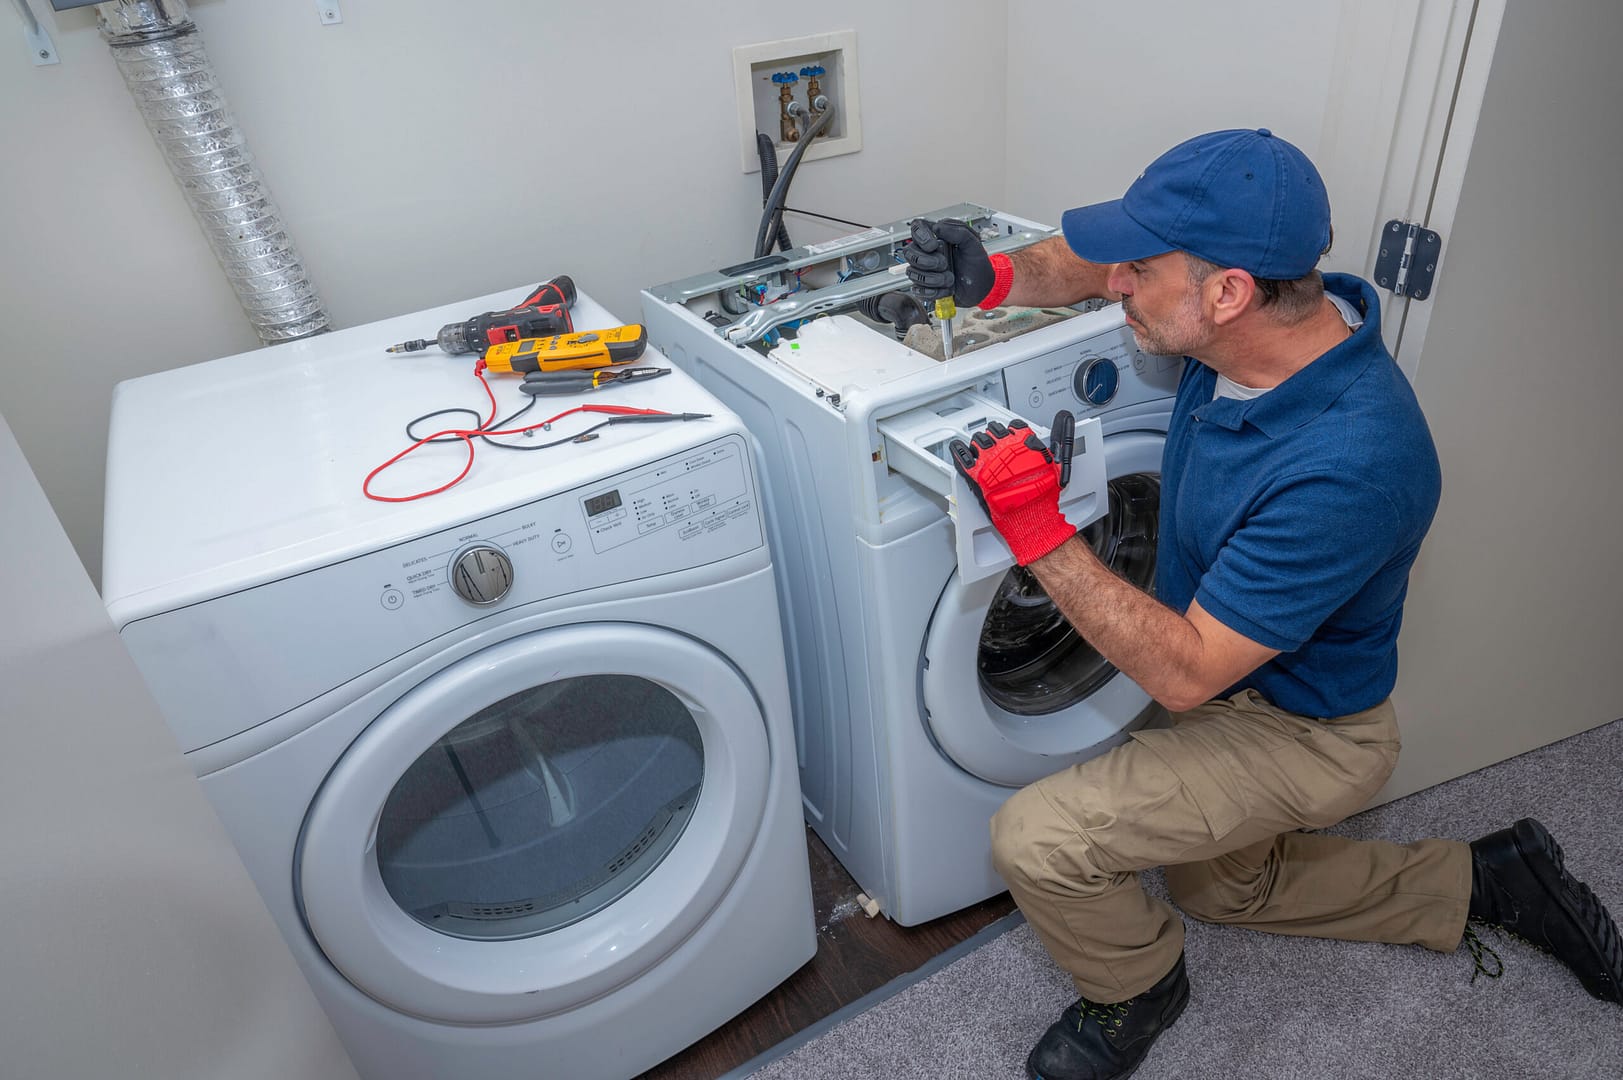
[{"x": 915, "y": 445}]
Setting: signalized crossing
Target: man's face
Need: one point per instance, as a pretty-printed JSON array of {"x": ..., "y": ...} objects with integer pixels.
[{"x": 1162, "y": 304}]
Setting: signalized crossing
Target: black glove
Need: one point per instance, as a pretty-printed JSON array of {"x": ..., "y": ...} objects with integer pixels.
[{"x": 946, "y": 258}]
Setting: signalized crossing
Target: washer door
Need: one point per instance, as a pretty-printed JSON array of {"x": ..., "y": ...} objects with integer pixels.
[
  {"x": 535, "y": 825},
  {"x": 1011, "y": 692}
]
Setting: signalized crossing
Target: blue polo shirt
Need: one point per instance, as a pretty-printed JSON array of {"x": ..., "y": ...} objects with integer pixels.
[{"x": 1294, "y": 517}]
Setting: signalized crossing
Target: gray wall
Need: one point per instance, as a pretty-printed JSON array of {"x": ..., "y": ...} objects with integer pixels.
[
  {"x": 424, "y": 151},
  {"x": 133, "y": 943},
  {"x": 1097, "y": 91}
]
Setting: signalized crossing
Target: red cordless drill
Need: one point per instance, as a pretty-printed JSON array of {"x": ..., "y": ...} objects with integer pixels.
[{"x": 544, "y": 313}]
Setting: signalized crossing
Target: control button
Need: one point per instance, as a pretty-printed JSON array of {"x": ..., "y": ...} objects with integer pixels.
[
  {"x": 1096, "y": 381},
  {"x": 393, "y": 599},
  {"x": 481, "y": 574},
  {"x": 1035, "y": 399},
  {"x": 1138, "y": 361},
  {"x": 561, "y": 542}
]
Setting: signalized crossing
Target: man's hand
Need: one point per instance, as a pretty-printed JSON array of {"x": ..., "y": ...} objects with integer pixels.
[
  {"x": 1014, "y": 475},
  {"x": 946, "y": 258}
]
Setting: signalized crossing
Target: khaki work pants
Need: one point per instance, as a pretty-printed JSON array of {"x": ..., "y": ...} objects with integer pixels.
[{"x": 1217, "y": 799}]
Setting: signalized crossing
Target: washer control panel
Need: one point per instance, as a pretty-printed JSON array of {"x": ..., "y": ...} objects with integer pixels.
[
  {"x": 1096, "y": 381},
  {"x": 1105, "y": 371}
]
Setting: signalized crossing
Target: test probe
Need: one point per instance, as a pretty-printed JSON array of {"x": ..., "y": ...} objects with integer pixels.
[{"x": 549, "y": 383}]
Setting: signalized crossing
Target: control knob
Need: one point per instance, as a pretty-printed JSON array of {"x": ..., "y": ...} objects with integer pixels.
[
  {"x": 481, "y": 574},
  {"x": 1096, "y": 381}
]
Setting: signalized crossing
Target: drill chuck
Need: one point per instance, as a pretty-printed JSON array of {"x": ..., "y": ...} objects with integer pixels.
[{"x": 454, "y": 338}]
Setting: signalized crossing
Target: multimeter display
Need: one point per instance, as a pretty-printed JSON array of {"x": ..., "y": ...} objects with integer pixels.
[{"x": 597, "y": 504}]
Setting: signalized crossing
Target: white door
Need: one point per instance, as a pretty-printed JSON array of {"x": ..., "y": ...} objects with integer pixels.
[
  {"x": 1011, "y": 692},
  {"x": 536, "y": 824},
  {"x": 1512, "y": 625}
]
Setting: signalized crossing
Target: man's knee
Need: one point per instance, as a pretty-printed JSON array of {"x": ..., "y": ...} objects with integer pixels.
[{"x": 1016, "y": 829}]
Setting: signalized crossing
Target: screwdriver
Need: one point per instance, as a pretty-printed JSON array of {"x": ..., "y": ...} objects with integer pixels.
[
  {"x": 945, "y": 312},
  {"x": 549, "y": 383}
]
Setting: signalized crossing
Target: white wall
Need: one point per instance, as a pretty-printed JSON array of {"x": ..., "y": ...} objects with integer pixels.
[
  {"x": 424, "y": 151},
  {"x": 1099, "y": 90}
]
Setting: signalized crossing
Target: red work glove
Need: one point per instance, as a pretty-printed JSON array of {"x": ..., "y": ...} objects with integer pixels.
[{"x": 1016, "y": 478}]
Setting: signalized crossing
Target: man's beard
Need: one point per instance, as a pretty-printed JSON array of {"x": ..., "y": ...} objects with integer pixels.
[{"x": 1179, "y": 334}]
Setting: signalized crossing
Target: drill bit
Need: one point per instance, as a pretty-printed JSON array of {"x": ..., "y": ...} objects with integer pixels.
[{"x": 945, "y": 312}]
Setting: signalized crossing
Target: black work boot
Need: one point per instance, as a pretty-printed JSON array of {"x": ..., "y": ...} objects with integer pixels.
[
  {"x": 1091, "y": 1041},
  {"x": 1519, "y": 882}
]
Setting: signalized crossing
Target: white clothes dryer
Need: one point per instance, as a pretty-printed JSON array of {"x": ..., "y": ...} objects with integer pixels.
[
  {"x": 929, "y": 679},
  {"x": 512, "y": 765}
]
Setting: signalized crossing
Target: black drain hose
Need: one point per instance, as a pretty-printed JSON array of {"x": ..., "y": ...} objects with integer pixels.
[
  {"x": 769, "y": 173},
  {"x": 772, "y": 215}
]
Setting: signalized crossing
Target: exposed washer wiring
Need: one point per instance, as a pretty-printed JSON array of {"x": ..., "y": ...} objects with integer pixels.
[
  {"x": 489, "y": 426},
  {"x": 826, "y": 217}
]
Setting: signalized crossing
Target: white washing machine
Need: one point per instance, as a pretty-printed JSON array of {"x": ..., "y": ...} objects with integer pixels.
[
  {"x": 930, "y": 678},
  {"x": 512, "y": 764}
]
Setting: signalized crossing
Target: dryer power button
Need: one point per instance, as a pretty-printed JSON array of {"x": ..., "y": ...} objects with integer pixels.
[{"x": 481, "y": 574}]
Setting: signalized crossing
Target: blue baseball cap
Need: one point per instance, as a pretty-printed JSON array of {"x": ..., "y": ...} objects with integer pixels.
[{"x": 1244, "y": 199}]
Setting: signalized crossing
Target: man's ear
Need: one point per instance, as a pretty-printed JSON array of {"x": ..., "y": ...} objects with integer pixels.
[{"x": 1229, "y": 294}]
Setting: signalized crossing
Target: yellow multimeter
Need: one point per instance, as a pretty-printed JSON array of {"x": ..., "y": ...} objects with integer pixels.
[{"x": 585, "y": 349}]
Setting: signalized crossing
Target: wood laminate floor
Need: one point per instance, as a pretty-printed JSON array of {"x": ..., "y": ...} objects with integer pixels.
[{"x": 855, "y": 955}]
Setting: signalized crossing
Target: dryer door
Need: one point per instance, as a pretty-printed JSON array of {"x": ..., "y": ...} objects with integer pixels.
[
  {"x": 536, "y": 824},
  {"x": 1012, "y": 692}
]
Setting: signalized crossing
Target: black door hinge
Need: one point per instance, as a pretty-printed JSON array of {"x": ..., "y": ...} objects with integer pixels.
[{"x": 1408, "y": 259}]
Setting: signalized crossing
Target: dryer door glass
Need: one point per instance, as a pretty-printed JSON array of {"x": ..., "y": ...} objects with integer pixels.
[
  {"x": 541, "y": 809},
  {"x": 1031, "y": 661}
]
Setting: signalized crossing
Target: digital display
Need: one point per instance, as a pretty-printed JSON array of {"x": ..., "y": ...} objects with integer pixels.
[{"x": 599, "y": 503}]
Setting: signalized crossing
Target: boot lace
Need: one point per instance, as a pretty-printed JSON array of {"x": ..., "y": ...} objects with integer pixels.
[
  {"x": 1109, "y": 1017},
  {"x": 1480, "y": 949}
]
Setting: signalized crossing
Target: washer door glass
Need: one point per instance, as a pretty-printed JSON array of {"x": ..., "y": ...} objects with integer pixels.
[
  {"x": 541, "y": 809},
  {"x": 1031, "y": 660}
]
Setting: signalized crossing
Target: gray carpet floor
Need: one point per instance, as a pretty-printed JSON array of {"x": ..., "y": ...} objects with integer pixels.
[{"x": 1269, "y": 1006}]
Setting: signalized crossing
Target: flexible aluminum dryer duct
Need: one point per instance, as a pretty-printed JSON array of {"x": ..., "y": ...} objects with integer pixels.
[{"x": 160, "y": 54}]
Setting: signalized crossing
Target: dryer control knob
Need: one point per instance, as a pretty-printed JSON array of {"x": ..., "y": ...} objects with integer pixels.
[{"x": 481, "y": 574}]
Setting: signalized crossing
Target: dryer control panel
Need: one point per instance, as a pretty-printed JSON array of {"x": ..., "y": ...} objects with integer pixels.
[
  {"x": 227, "y": 664},
  {"x": 1104, "y": 372}
]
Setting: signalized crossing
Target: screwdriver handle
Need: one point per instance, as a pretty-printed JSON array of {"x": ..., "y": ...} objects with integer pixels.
[
  {"x": 1062, "y": 441},
  {"x": 550, "y": 383}
]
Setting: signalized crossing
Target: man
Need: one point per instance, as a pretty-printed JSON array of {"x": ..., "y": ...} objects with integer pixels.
[{"x": 1298, "y": 481}]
